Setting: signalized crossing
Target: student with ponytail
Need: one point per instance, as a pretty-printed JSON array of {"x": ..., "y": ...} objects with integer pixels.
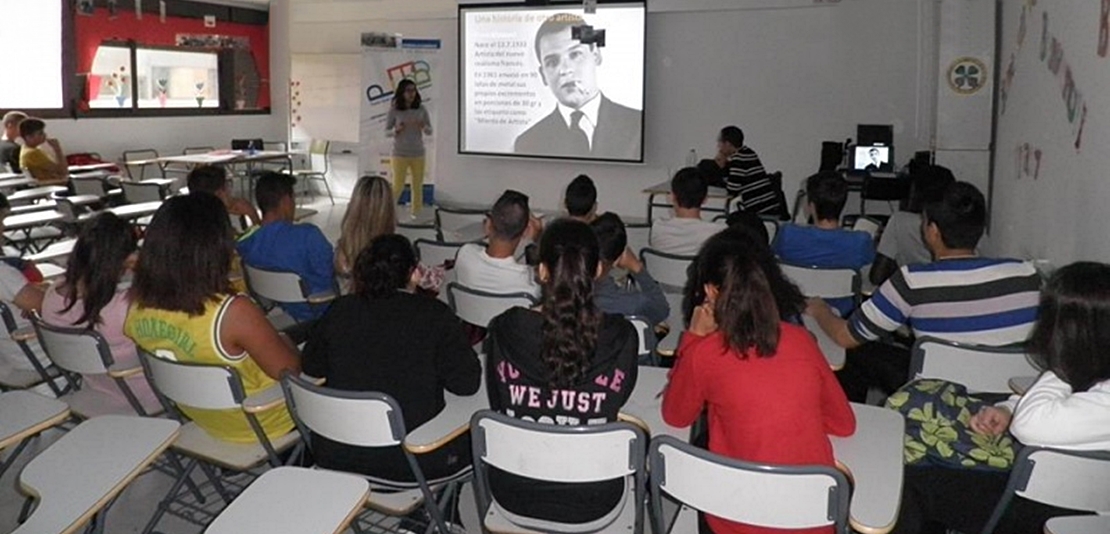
[
  {"x": 563, "y": 362},
  {"x": 770, "y": 394}
]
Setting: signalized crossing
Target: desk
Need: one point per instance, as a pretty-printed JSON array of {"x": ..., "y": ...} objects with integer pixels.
[
  {"x": 1021, "y": 384},
  {"x": 294, "y": 499},
  {"x": 136, "y": 211},
  {"x": 57, "y": 250},
  {"x": 91, "y": 167},
  {"x": 28, "y": 222},
  {"x": 872, "y": 456},
  {"x": 17, "y": 180},
  {"x": 1082, "y": 524},
  {"x": 35, "y": 193}
]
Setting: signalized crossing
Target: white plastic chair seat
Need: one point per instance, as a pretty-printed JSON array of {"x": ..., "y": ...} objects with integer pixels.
[
  {"x": 1082, "y": 524},
  {"x": 19, "y": 378},
  {"x": 49, "y": 270},
  {"x": 88, "y": 467},
  {"x": 194, "y": 441},
  {"x": 27, "y": 413},
  {"x": 294, "y": 499},
  {"x": 981, "y": 369},
  {"x": 397, "y": 504},
  {"x": 619, "y": 521}
]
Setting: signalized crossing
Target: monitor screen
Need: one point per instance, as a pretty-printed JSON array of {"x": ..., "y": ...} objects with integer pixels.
[
  {"x": 552, "y": 81},
  {"x": 872, "y": 158}
]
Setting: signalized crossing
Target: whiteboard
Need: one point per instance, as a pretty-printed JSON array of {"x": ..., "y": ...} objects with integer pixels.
[{"x": 324, "y": 95}]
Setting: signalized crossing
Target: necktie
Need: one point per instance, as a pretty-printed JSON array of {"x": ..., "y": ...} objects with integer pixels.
[{"x": 580, "y": 143}]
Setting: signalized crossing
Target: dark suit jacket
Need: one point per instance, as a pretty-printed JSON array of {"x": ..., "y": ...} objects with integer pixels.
[{"x": 617, "y": 135}]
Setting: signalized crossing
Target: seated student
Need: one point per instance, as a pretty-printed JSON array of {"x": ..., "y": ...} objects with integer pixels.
[
  {"x": 580, "y": 199},
  {"x": 11, "y": 143},
  {"x": 960, "y": 297},
  {"x": 93, "y": 294},
  {"x": 42, "y": 157},
  {"x": 770, "y": 394},
  {"x": 565, "y": 345},
  {"x": 358, "y": 344},
  {"x": 901, "y": 242},
  {"x": 1068, "y": 407},
  {"x": 183, "y": 308},
  {"x": 494, "y": 267},
  {"x": 21, "y": 289},
  {"x": 684, "y": 233},
  {"x": 825, "y": 244},
  {"x": 646, "y": 298},
  {"x": 212, "y": 179},
  {"x": 279, "y": 244}
]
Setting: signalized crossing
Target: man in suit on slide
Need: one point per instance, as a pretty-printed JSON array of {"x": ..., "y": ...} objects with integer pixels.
[{"x": 584, "y": 122}]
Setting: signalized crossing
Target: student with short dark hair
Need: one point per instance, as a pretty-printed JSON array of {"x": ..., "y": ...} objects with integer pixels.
[
  {"x": 281, "y": 245},
  {"x": 901, "y": 243},
  {"x": 42, "y": 157},
  {"x": 768, "y": 389},
  {"x": 212, "y": 179},
  {"x": 645, "y": 297},
  {"x": 960, "y": 297},
  {"x": 581, "y": 199},
  {"x": 566, "y": 349},
  {"x": 740, "y": 171},
  {"x": 384, "y": 337},
  {"x": 825, "y": 244},
  {"x": 495, "y": 267},
  {"x": 684, "y": 233},
  {"x": 11, "y": 143},
  {"x": 183, "y": 308},
  {"x": 1068, "y": 407}
]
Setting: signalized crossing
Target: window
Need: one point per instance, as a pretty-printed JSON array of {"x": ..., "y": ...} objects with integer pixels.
[
  {"x": 177, "y": 79},
  {"x": 110, "y": 78},
  {"x": 32, "y": 41}
]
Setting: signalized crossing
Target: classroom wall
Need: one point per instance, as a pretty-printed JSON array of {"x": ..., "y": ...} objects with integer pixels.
[
  {"x": 1050, "y": 186},
  {"x": 169, "y": 135},
  {"x": 791, "y": 73}
]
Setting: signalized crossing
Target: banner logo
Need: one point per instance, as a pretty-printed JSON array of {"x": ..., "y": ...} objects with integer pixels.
[{"x": 419, "y": 71}]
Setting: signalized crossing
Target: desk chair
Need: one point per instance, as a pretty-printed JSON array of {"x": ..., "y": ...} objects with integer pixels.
[
  {"x": 418, "y": 230},
  {"x": 433, "y": 253},
  {"x": 42, "y": 371},
  {"x": 670, "y": 270},
  {"x": 889, "y": 190},
  {"x": 1078, "y": 524},
  {"x": 282, "y": 287},
  {"x": 480, "y": 307},
  {"x": 981, "y": 369},
  {"x": 772, "y": 227},
  {"x": 294, "y": 499},
  {"x": 26, "y": 415},
  {"x": 139, "y": 192},
  {"x": 83, "y": 472},
  {"x": 824, "y": 283},
  {"x": 212, "y": 387},
  {"x": 450, "y": 220},
  {"x": 1065, "y": 479},
  {"x": 317, "y": 166},
  {"x": 764, "y": 495},
  {"x": 141, "y": 154},
  {"x": 584, "y": 454},
  {"x": 646, "y": 342},
  {"x": 870, "y": 225},
  {"x": 369, "y": 419},
  {"x": 82, "y": 351}
]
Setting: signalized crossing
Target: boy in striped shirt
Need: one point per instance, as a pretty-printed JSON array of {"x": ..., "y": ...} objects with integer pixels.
[
  {"x": 743, "y": 174},
  {"x": 960, "y": 297}
]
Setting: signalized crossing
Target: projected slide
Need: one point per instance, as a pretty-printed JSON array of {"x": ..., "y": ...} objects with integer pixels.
[{"x": 552, "y": 81}]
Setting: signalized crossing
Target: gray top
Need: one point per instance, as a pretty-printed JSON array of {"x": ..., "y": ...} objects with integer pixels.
[
  {"x": 901, "y": 240},
  {"x": 410, "y": 142}
]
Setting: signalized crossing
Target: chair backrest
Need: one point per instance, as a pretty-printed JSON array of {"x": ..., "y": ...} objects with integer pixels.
[
  {"x": 867, "y": 224},
  {"x": 434, "y": 253},
  {"x": 356, "y": 418},
  {"x": 1065, "y": 479},
  {"x": 639, "y": 237},
  {"x": 275, "y": 146},
  {"x": 568, "y": 454},
  {"x": 449, "y": 220},
  {"x": 137, "y": 192},
  {"x": 823, "y": 283},
  {"x": 203, "y": 386},
  {"x": 772, "y": 227},
  {"x": 67, "y": 209},
  {"x": 87, "y": 185},
  {"x": 318, "y": 155},
  {"x": 667, "y": 269},
  {"x": 646, "y": 342},
  {"x": 785, "y": 497},
  {"x": 480, "y": 307},
  {"x": 139, "y": 153},
  {"x": 981, "y": 369},
  {"x": 77, "y": 350},
  {"x": 276, "y": 286}
]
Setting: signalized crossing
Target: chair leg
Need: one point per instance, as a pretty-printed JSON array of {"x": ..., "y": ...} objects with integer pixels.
[
  {"x": 328, "y": 189},
  {"x": 14, "y": 454},
  {"x": 25, "y": 512},
  {"x": 172, "y": 458},
  {"x": 171, "y": 495}
]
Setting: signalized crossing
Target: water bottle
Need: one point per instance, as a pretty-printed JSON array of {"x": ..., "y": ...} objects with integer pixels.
[{"x": 692, "y": 158}]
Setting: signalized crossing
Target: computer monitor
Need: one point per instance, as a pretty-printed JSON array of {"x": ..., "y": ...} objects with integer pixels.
[
  {"x": 246, "y": 144},
  {"x": 873, "y": 158},
  {"x": 874, "y": 134}
]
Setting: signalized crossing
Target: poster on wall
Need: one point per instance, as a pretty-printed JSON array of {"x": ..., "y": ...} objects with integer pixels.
[{"x": 386, "y": 60}]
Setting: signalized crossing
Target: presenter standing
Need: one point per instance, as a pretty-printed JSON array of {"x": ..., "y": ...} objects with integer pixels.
[{"x": 408, "y": 123}]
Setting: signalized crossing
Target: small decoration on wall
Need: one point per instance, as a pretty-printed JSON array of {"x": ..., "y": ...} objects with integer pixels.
[
  {"x": 1028, "y": 161},
  {"x": 967, "y": 75},
  {"x": 162, "y": 11},
  {"x": 139, "y": 9},
  {"x": 210, "y": 21},
  {"x": 85, "y": 7},
  {"x": 1052, "y": 54},
  {"x": 200, "y": 93},
  {"x": 118, "y": 84},
  {"x": 1104, "y": 29},
  {"x": 162, "y": 85},
  {"x": 112, "y": 9},
  {"x": 207, "y": 40}
]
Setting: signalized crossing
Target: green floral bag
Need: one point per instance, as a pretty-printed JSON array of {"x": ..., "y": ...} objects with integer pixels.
[{"x": 938, "y": 432}]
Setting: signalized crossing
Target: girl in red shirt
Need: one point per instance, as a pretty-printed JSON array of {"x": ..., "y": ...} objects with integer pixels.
[{"x": 770, "y": 393}]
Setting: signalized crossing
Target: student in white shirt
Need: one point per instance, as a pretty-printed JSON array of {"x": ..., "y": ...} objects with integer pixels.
[
  {"x": 1068, "y": 407},
  {"x": 494, "y": 267},
  {"x": 684, "y": 233}
]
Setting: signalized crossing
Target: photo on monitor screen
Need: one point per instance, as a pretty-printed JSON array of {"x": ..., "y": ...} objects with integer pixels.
[
  {"x": 552, "y": 81},
  {"x": 872, "y": 158}
]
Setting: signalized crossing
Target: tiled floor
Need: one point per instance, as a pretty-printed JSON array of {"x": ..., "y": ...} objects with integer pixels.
[{"x": 137, "y": 503}]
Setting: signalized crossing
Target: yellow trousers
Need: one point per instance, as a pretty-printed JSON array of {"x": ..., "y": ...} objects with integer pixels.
[{"x": 401, "y": 168}]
